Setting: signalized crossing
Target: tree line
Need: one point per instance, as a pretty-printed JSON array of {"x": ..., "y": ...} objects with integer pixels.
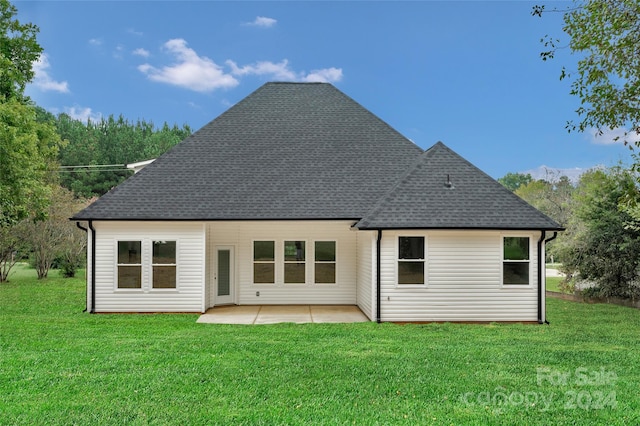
[{"x": 111, "y": 142}]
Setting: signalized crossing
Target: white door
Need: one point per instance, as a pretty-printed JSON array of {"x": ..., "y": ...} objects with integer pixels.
[{"x": 224, "y": 279}]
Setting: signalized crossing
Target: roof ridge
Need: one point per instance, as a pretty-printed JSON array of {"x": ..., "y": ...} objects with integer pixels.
[{"x": 424, "y": 155}]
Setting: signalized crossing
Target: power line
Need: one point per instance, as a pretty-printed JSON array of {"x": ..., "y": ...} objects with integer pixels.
[{"x": 91, "y": 166}]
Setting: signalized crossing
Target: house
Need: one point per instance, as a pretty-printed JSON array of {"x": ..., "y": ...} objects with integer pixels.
[
  {"x": 136, "y": 167},
  {"x": 299, "y": 195}
]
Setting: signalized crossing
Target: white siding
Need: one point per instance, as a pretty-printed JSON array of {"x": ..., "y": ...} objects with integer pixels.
[
  {"x": 241, "y": 235},
  {"x": 463, "y": 280},
  {"x": 366, "y": 273},
  {"x": 190, "y": 260}
]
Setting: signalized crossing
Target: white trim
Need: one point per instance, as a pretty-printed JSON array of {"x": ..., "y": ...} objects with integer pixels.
[
  {"x": 504, "y": 235},
  {"x": 118, "y": 265},
  {"x": 274, "y": 261},
  {"x": 305, "y": 262},
  {"x": 398, "y": 260},
  {"x": 232, "y": 276},
  {"x": 335, "y": 262},
  {"x": 164, "y": 290}
]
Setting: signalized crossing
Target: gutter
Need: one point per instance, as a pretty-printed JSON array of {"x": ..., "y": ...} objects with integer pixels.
[
  {"x": 93, "y": 268},
  {"x": 378, "y": 277},
  {"x": 541, "y": 264},
  {"x": 85, "y": 298}
]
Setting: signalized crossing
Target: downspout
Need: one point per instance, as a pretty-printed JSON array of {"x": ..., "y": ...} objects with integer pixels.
[
  {"x": 87, "y": 231},
  {"x": 541, "y": 265},
  {"x": 378, "y": 275},
  {"x": 93, "y": 268}
]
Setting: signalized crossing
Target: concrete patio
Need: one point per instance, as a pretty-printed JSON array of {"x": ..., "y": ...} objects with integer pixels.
[{"x": 272, "y": 314}]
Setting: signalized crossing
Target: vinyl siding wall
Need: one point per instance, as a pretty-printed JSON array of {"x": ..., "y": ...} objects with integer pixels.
[
  {"x": 463, "y": 280},
  {"x": 241, "y": 235},
  {"x": 190, "y": 269},
  {"x": 366, "y": 273}
]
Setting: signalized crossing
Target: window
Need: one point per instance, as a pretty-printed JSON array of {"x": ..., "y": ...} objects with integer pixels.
[
  {"x": 410, "y": 260},
  {"x": 164, "y": 264},
  {"x": 294, "y": 262},
  {"x": 325, "y": 262},
  {"x": 515, "y": 264},
  {"x": 264, "y": 262},
  {"x": 129, "y": 264}
]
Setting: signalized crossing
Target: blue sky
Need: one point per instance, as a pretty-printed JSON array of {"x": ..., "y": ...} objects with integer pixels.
[{"x": 465, "y": 73}]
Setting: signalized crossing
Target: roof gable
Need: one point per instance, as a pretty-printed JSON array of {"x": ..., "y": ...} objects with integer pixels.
[{"x": 444, "y": 191}]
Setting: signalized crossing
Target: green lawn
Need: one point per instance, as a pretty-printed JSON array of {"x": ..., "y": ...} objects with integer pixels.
[
  {"x": 59, "y": 365},
  {"x": 553, "y": 282}
]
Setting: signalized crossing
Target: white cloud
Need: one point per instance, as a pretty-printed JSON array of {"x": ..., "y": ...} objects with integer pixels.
[
  {"x": 262, "y": 21},
  {"x": 275, "y": 70},
  {"x": 82, "y": 114},
  {"x": 281, "y": 71},
  {"x": 43, "y": 81},
  {"x": 326, "y": 75},
  {"x": 134, "y": 32},
  {"x": 201, "y": 74},
  {"x": 613, "y": 136},
  {"x": 141, "y": 52},
  {"x": 197, "y": 73},
  {"x": 95, "y": 41}
]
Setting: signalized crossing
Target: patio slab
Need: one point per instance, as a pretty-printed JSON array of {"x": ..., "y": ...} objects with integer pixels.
[
  {"x": 230, "y": 315},
  {"x": 273, "y": 314}
]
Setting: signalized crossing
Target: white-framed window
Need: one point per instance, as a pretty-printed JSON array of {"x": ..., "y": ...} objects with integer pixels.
[
  {"x": 516, "y": 260},
  {"x": 264, "y": 262},
  {"x": 324, "y": 262},
  {"x": 411, "y": 260},
  {"x": 295, "y": 261},
  {"x": 163, "y": 264},
  {"x": 129, "y": 264}
]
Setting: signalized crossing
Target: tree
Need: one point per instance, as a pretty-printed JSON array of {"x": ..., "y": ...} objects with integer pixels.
[
  {"x": 513, "y": 181},
  {"x": 18, "y": 51},
  {"x": 28, "y": 150},
  {"x": 553, "y": 197},
  {"x": 13, "y": 248},
  {"x": 598, "y": 247},
  {"x": 28, "y": 147},
  {"x": 606, "y": 35},
  {"x": 54, "y": 236}
]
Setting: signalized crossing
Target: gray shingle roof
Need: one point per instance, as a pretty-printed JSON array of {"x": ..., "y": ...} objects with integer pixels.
[
  {"x": 287, "y": 151},
  {"x": 444, "y": 191},
  {"x": 307, "y": 151}
]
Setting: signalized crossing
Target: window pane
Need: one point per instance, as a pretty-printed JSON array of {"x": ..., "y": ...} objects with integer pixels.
[
  {"x": 164, "y": 252},
  {"x": 516, "y": 248},
  {"x": 129, "y": 277},
  {"x": 264, "y": 273},
  {"x": 263, "y": 250},
  {"x": 515, "y": 272},
  {"x": 325, "y": 251},
  {"x": 411, "y": 247},
  {"x": 294, "y": 273},
  {"x": 410, "y": 272},
  {"x": 325, "y": 273},
  {"x": 129, "y": 252},
  {"x": 294, "y": 251},
  {"x": 164, "y": 277}
]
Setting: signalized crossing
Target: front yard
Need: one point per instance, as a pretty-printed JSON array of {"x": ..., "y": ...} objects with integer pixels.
[{"x": 59, "y": 365}]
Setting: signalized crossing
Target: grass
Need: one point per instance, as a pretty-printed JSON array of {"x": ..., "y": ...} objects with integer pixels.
[
  {"x": 59, "y": 365},
  {"x": 553, "y": 283}
]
